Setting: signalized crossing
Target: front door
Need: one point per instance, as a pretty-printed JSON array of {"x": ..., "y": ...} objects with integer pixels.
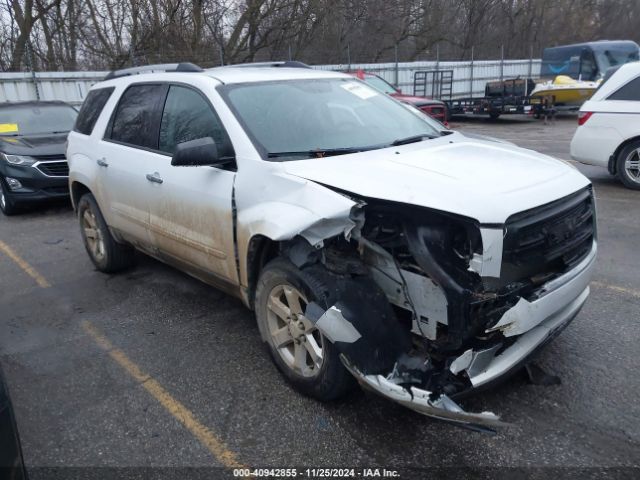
[{"x": 191, "y": 215}]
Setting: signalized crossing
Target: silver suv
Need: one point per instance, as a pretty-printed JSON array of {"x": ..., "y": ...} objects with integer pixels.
[{"x": 371, "y": 243}]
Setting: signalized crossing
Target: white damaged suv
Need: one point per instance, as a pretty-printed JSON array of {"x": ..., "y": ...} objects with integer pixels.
[{"x": 423, "y": 263}]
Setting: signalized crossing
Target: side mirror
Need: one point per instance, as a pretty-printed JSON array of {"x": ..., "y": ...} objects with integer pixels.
[{"x": 197, "y": 153}]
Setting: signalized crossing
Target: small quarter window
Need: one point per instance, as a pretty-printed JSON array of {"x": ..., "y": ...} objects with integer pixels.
[
  {"x": 91, "y": 110},
  {"x": 630, "y": 91}
]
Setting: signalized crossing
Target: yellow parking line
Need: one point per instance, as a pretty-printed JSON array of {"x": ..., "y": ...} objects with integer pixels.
[
  {"x": 616, "y": 288},
  {"x": 216, "y": 446},
  {"x": 24, "y": 265},
  {"x": 181, "y": 413}
]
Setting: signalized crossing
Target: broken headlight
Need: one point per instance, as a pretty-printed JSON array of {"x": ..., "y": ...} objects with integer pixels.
[{"x": 450, "y": 240}]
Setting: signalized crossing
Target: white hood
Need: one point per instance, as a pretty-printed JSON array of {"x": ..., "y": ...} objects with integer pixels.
[{"x": 484, "y": 180}]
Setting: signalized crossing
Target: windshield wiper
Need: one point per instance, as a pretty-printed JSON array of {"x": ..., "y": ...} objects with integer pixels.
[
  {"x": 319, "y": 153},
  {"x": 413, "y": 139},
  {"x": 330, "y": 152}
]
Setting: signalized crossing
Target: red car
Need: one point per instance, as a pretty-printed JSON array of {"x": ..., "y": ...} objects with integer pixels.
[{"x": 434, "y": 108}]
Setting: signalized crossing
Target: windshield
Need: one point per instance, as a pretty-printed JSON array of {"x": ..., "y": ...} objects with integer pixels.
[
  {"x": 379, "y": 84},
  {"x": 22, "y": 120},
  {"x": 321, "y": 116},
  {"x": 611, "y": 57}
]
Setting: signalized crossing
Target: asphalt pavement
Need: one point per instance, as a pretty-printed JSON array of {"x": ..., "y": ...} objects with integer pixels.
[{"x": 151, "y": 368}]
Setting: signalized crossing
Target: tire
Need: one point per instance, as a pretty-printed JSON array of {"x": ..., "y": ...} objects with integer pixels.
[
  {"x": 628, "y": 165},
  {"x": 7, "y": 204},
  {"x": 330, "y": 380},
  {"x": 494, "y": 115},
  {"x": 106, "y": 254}
]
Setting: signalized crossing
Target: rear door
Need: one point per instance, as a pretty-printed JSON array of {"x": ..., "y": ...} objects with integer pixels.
[
  {"x": 191, "y": 217},
  {"x": 128, "y": 147}
]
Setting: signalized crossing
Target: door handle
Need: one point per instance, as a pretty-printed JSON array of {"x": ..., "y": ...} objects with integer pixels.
[
  {"x": 154, "y": 177},
  {"x": 102, "y": 162}
]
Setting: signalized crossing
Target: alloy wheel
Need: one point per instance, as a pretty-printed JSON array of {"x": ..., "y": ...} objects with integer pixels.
[
  {"x": 296, "y": 339},
  {"x": 93, "y": 235},
  {"x": 632, "y": 165}
]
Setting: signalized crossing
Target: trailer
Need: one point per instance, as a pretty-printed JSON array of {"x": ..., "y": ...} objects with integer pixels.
[{"x": 501, "y": 97}]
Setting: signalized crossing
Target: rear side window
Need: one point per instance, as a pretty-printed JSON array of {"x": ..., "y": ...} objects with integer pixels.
[
  {"x": 91, "y": 110},
  {"x": 630, "y": 91},
  {"x": 188, "y": 116},
  {"x": 135, "y": 121}
]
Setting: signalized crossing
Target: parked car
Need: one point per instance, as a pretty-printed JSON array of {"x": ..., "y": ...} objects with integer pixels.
[
  {"x": 608, "y": 133},
  {"x": 426, "y": 264},
  {"x": 33, "y": 166},
  {"x": 434, "y": 108},
  {"x": 11, "y": 460},
  {"x": 445, "y": 130}
]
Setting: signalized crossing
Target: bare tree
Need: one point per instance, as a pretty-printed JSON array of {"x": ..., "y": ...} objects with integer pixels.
[
  {"x": 25, "y": 17},
  {"x": 100, "y": 34}
]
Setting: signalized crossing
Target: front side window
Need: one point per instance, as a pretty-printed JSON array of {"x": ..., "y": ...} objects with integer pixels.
[
  {"x": 36, "y": 119},
  {"x": 136, "y": 118},
  {"x": 630, "y": 91},
  {"x": 91, "y": 110},
  {"x": 317, "y": 117},
  {"x": 188, "y": 116},
  {"x": 612, "y": 57}
]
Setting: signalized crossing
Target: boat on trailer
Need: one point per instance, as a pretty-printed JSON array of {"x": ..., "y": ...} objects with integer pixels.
[{"x": 565, "y": 91}]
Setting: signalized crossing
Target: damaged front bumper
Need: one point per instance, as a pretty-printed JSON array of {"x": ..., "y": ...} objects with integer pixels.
[
  {"x": 436, "y": 406},
  {"x": 526, "y": 327},
  {"x": 534, "y": 323}
]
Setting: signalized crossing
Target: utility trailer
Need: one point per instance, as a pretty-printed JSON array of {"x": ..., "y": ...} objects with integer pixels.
[{"x": 500, "y": 97}]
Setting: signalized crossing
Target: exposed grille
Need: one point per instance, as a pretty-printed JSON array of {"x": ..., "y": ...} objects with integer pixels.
[
  {"x": 44, "y": 158},
  {"x": 549, "y": 240},
  {"x": 55, "y": 168}
]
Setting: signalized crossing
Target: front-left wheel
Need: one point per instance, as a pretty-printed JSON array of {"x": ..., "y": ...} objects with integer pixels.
[
  {"x": 309, "y": 361},
  {"x": 7, "y": 205},
  {"x": 105, "y": 252}
]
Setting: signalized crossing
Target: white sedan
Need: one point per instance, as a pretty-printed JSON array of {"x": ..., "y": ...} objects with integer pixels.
[{"x": 608, "y": 133}]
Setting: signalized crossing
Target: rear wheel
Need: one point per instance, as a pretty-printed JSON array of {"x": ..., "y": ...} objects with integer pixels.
[
  {"x": 304, "y": 356},
  {"x": 628, "y": 165},
  {"x": 7, "y": 205},
  {"x": 106, "y": 254}
]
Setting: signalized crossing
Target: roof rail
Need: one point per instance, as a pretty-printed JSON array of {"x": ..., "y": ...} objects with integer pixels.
[
  {"x": 280, "y": 64},
  {"x": 161, "y": 67}
]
